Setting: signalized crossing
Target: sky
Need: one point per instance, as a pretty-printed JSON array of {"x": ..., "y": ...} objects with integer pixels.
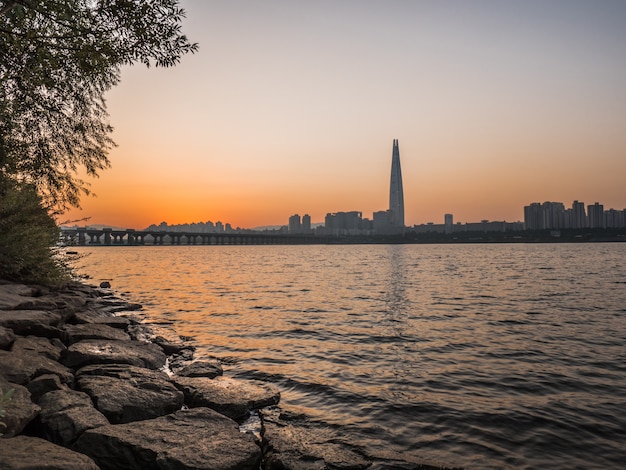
[{"x": 292, "y": 107}]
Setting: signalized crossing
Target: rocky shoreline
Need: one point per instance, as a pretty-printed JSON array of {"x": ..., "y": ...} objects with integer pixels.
[{"x": 84, "y": 384}]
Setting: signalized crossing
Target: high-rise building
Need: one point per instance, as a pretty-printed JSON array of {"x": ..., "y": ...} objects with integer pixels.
[
  {"x": 579, "y": 216},
  {"x": 294, "y": 224},
  {"x": 595, "y": 215},
  {"x": 448, "y": 222},
  {"x": 396, "y": 193},
  {"x": 306, "y": 223}
]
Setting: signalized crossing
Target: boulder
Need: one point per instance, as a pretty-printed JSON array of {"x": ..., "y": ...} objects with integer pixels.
[
  {"x": 233, "y": 398},
  {"x": 180, "y": 360},
  {"x": 66, "y": 414},
  {"x": 19, "y": 410},
  {"x": 43, "y": 384},
  {"x": 76, "y": 333},
  {"x": 301, "y": 445},
  {"x": 97, "y": 351},
  {"x": 100, "y": 318},
  {"x": 51, "y": 349},
  {"x": 28, "y": 453},
  {"x": 13, "y": 295},
  {"x": 168, "y": 339},
  {"x": 114, "y": 305},
  {"x": 209, "y": 369},
  {"x": 125, "y": 393},
  {"x": 22, "y": 367},
  {"x": 21, "y": 297},
  {"x": 191, "y": 439},
  {"x": 7, "y": 337},
  {"x": 31, "y": 322},
  {"x": 70, "y": 301}
]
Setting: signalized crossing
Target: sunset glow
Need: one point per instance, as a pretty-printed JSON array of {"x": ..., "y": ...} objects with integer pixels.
[{"x": 292, "y": 107}]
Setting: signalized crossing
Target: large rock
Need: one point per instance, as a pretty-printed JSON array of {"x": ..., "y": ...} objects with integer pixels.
[
  {"x": 113, "y": 304},
  {"x": 100, "y": 318},
  {"x": 298, "y": 445},
  {"x": 293, "y": 442},
  {"x": 31, "y": 322},
  {"x": 125, "y": 393},
  {"x": 167, "y": 338},
  {"x": 19, "y": 410},
  {"x": 66, "y": 414},
  {"x": 20, "y": 297},
  {"x": 50, "y": 348},
  {"x": 76, "y": 333},
  {"x": 192, "y": 439},
  {"x": 43, "y": 384},
  {"x": 209, "y": 369},
  {"x": 233, "y": 398},
  {"x": 30, "y": 453},
  {"x": 96, "y": 351},
  {"x": 21, "y": 368},
  {"x": 13, "y": 295},
  {"x": 7, "y": 337}
]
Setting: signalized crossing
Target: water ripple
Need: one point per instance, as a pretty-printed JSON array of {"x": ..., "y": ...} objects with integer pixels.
[{"x": 483, "y": 356}]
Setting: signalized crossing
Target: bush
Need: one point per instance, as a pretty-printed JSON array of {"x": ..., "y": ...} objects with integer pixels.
[
  {"x": 4, "y": 399},
  {"x": 28, "y": 236}
]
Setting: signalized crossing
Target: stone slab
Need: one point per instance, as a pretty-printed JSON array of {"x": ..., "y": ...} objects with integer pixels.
[
  {"x": 19, "y": 410},
  {"x": 29, "y": 322},
  {"x": 30, "y": 453},
  {"x": 22, "y": 367},
  {"x": 75, "y": 333},
  {"x": 66, "y": 414},
  {"x": 195, "y": 439},
  {"x": 96, "y": 351},
  {"x": 233, "y": 398},
  {"x": 50, "y": 348},
  {"x": 125, "y": 393},
  {"x": 7, "y": 338}
]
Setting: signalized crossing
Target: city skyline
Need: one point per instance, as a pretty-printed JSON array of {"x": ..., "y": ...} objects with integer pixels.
[
  {"x": 297, "y": 224},
  {"x": 289, "y": 108}
]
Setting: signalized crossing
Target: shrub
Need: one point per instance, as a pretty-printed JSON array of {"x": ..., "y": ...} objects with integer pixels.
[{"x": 28, "y": 236}]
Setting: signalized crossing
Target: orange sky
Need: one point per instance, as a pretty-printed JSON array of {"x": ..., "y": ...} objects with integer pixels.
[{"x": 292, "y": 107}]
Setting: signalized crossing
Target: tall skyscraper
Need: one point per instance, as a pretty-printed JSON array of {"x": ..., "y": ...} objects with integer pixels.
[{"x": 396, "y": 193}]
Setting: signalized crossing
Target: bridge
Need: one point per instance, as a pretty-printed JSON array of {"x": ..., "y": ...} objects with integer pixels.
[{"x": 116, "y": 237}]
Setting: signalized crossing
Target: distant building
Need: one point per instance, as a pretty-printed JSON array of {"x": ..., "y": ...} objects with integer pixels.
[
  {"x": 294, "y": 224},
  {"x": 595, "y": 215},
  {"x": 391, "y": 221},
  {"x": 344, "y": 223},
  {"x": 448, "y": 222},
  {"x": 579, "y": 217},
  {"x": 382, "y": 223},
  {"x": 306, "y": 223},
  {"x": 396, "y": 192},
  {"x": 482, "y": 226},
  {"x": 614, "y": 218},
  {"x": 549, "y": 215}
]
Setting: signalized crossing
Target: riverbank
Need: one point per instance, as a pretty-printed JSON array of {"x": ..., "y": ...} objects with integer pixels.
[{"x": 87, "y": 385}]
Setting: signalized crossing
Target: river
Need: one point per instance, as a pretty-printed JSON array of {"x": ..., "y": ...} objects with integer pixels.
[{"x": 482, "y": 356}]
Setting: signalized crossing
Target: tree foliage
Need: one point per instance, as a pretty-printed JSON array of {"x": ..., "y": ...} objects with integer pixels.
[
  {"x": 57, "y": 59},
  {"x": 28, "y": 235}
]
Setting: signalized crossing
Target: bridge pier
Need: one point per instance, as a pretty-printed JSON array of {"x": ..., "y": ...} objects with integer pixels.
[
  {"x": 86, "y": 236},
  {"x": 94, "y": 238}
]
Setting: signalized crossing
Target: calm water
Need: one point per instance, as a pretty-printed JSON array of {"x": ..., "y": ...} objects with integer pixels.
[{"x": 485, "y": 356}]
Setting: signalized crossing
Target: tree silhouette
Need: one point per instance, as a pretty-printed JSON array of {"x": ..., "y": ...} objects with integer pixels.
[{"x": 57, "y": 59}]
